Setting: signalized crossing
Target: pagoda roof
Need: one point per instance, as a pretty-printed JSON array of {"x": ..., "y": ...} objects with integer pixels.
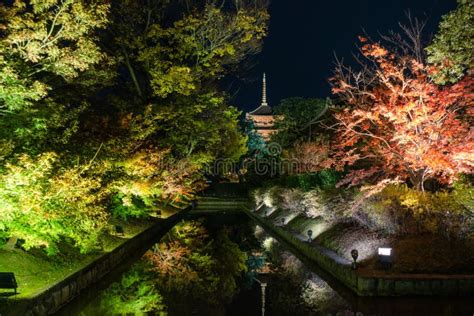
[{"x": 263, "y": 109}]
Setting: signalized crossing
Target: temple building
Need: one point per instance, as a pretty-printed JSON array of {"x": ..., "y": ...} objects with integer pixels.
[{"x": 262, "y": 117}]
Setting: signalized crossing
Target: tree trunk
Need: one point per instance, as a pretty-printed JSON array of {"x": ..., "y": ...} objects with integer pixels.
[
  {"x": 417, "y": 179},
  {"x": 132, "y": 74},
  {"x": 11, "y": 243}
]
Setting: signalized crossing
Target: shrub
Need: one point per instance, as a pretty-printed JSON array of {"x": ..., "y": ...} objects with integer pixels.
[
  {"x": 398, "y": 209},
  {"x": 291, "y": 200},
  {"x": 330, "y": 205},
  {"x": 390, "y": 207},
  {"x": 291, "y": 264},
  {"x": 272, "y": 196}
]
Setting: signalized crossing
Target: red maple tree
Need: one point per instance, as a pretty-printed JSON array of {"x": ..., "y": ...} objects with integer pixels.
[
  {"x": 311, "y": 156},
  {"x": 397, "y": 123}
]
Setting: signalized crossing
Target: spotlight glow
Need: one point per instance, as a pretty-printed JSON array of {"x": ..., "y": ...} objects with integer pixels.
[{"x": 385, "y": 251}]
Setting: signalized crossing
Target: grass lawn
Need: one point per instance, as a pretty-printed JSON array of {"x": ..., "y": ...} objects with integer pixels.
[{"x": 36, "y": 272}]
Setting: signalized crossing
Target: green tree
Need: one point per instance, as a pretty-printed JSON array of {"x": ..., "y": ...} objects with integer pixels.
[
  {"x": 452, "y": 51},
  {"x": 47, "y": 48},
  {"x": 170, "y": 100},
  {"x": 50, "y": 62},
  {"x": 175, "y": 62},
  {"x": 257, "y": 147},
  {"x": 298, "y": 119},
  {"x": 43, "y": 206},
  {"x": 119, "y": 98}
]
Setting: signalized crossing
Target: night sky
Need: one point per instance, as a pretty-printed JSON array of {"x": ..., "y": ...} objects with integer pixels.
[{"x": 304, "y": 35}]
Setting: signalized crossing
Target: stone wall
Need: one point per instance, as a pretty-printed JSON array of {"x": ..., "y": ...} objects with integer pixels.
[
  {"x": 380, "y": 285},
  {"x": 58, "y": 295}
]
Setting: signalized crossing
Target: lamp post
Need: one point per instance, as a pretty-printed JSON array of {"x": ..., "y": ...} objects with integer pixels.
[
  {"x": 310, "y": 233},
  {"x": 354, "y": 255}
]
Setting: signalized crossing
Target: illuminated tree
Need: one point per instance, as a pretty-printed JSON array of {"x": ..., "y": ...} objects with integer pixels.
[
  {"x": 452, "y": 51},
  {"x": 398, "y": 123},
  {"x": 256, "y": 144},
  {"x": 43, "y": 206},
  {"x": 47, "y": 49},
  {"x": 132, "y": 86},
  {"x": 312, "y": 156},
  {"x": 50, "y": 62},
  {"x": 170, "y": 99},
  {"x": 174, "y": 64}
]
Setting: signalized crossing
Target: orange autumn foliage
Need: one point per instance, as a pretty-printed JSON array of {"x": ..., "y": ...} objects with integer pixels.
[
  {"x": 397, "y": 123},
  {"x": 311, "y": 156}
]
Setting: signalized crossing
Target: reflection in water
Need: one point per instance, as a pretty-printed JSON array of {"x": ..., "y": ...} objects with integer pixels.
[
  {"x": 294, "y": 289},
  {"x": 323, "y": 295},
  {"x": 209, "y": 281}
]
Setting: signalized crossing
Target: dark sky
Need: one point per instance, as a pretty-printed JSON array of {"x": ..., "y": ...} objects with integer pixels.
[{"x": 299, "y": 51}]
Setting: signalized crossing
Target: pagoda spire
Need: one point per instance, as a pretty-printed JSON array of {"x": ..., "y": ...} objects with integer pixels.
[{"x": 264, "y": 91}]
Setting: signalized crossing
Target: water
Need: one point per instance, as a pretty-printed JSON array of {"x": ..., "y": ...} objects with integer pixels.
[{"x": 294, "y": 287}]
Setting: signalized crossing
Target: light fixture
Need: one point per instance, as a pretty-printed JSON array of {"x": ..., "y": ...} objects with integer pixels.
[
  {"x": 385, "y": 257},
  {"x": 354, "y": 255},
  {"x": 385, "y": 251}
]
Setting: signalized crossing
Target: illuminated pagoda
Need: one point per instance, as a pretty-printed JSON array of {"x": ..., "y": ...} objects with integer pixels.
[{"x": 262, "y": 117}]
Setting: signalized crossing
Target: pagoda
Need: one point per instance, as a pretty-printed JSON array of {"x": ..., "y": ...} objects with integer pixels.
[{"x": 262, "y": 117}]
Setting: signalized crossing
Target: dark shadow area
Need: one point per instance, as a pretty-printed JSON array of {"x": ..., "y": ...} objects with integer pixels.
[{"x": 4, "y": 294}]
